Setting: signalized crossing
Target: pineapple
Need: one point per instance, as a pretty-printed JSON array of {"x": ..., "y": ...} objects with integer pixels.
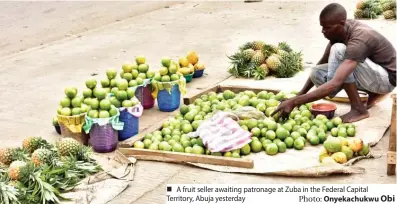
[
  {"x": 8, "y": 155},
  {"x": 363, "y": 4},
  {"x": 358, "y": 14},
  {"x": 258, "y": 58},
  {"x": 273, "y": 61},
  {"x": 282, "y": 53},
  {"x": 15, "y": 169},
  {"x": 261, "y": 72},
  {"x": 289, "y": 65},
  {"x": 389, "y": 5},
  {"x": 389, "y": 14},
  {"x": 41, "y": 156},
  {"x": 248, "y": 54},
  {"x": 264, "y": 68},
  {"x": 68, "y": 146},
  {"x": 33, "y": 143},
  {"x": 257, "y": 45}
]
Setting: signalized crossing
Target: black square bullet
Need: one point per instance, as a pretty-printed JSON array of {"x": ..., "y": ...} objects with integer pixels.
[{"x": 169, "y": 189}]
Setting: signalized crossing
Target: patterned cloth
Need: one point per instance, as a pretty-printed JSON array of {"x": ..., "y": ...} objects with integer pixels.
[{"x": 221, "y": 133}]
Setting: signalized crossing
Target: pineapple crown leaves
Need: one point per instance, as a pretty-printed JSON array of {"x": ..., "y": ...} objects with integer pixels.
[
  {"x": 259, "y": 74},
  {"x": 20, "y": 154},
  {"x": 245, "y": 46},
  {"x": 268, "y": 49},
  {"x": 238, "y": 64},
  {"x": 284, "y": 46},
  {"x": 4, "y": 176},
  {"x": 85, "y": 154},
  {"x": 290, "y": 64},
  {"x": 8, "y": 194},
  {"x": 233, "y": 69},
  {"x": 73, "y": 168},
  {"x": 368, "y": 13},
  {"x": 37, "y": 186},
  {"x": 237, "y": 58}
]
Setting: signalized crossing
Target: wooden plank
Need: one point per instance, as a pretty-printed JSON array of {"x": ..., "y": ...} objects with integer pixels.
[
  {"x": 177, "y": 157},
  {"x": 237, "y": 89},
  {"x": 363, "y": 97},
  {"x": 391, "y": 158},
  {"x": 391, "y": 167},
  {"x": 190, "y": 99}
]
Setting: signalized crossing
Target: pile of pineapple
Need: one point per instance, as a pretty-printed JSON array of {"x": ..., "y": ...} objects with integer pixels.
[
  {"x": 38, "y": 172},
  {"x": 258, "y": 60},
  {"x": 371, "y": 9}
]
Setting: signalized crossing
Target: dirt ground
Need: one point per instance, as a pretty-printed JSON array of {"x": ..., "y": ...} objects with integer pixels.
[{"x": 64, "y": 43}]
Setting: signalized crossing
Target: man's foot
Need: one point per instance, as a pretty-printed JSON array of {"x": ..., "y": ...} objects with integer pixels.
[
  {"x": 355, "y": 115},
  {"x": 373, "y": 99}
]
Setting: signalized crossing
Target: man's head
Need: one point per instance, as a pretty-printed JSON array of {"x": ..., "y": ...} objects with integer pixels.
[{"x": 332, "y": 20}]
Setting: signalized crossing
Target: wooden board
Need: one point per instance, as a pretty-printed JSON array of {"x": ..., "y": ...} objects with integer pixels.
[
  {"x": 220, "y": 88},
  {"x": 391, "y": 165},
  {"x": 153, "y": 155},
  {"x": 341, "y": 99},
  {"x": 190, "y": 99}
]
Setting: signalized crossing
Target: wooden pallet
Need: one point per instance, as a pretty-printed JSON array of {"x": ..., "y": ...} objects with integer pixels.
[
  {"x": 221, "y": 88},
  {"x": 391, "y": 154},
  {"x": 127, "y": 149}
]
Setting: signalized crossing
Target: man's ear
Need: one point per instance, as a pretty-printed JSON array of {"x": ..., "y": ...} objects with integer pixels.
[{"x": 342, "y": 22}]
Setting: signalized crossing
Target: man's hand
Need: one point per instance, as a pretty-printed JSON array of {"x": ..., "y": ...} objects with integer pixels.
[
  {"x": 285, "y": 108},
  {"x": 345, "y": 69}
]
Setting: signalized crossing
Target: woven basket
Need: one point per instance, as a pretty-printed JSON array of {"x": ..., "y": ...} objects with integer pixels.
[
  {"x": 169, "y": 102},
  {"x": 103, "y": 138},
  {"x": 72, "y": 126},
  {"x": 144, "y": 95},
  {"x": 131, "y": 125}
]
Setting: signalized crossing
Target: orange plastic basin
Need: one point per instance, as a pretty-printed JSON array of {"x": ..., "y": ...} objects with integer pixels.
[{"x": 327, "y": 109}]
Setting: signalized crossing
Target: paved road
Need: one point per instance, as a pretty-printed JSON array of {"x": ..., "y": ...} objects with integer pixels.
[{"x": 25, "y": 25}]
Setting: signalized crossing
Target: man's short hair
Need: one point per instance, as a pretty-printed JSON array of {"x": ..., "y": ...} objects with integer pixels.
[{"x": 335, "y": 11}]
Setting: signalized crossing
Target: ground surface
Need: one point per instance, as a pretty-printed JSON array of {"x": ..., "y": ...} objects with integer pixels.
[{"x": 57, "y": 53}]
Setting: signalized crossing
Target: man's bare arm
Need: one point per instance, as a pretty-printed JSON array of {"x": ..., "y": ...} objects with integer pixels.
[
  {"x": 324, "y": 59},
  {"x": 306, "y": 88},
  {"x": 344, "y": 70}
]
